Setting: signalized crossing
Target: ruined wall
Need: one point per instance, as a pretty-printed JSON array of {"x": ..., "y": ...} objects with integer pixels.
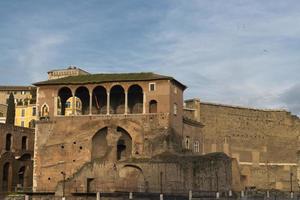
[
  {"x": 264, "y": 142},
  {"x": 64, "y": 144},
  {"x": 16, "y": 157}
]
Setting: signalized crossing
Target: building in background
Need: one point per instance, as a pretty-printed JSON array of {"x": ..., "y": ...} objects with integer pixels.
[
  {"x": 16, "y": 144},
  {"x": 26, "y": 115},
  {"x": 61, "y": 73},
  {"x": 23, "y": 95}
]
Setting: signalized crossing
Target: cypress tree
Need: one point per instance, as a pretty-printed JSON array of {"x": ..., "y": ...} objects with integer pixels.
[{"x": 10, "y": 115}]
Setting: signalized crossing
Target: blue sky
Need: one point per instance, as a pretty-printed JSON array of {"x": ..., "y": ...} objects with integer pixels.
[{"x": 233, "y": 52}]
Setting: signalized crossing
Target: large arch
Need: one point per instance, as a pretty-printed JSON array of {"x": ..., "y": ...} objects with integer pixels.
[
  {"x": 135, "y": 99},
  {"x": 63, "y": 95},
  {"x": 99, "y": 144},
  {"x": 99, "y": 101},
  {"x": 117, "y": 100},
  {"x": 133, "y": 178},
  {"x": 83, "y": 94},
  {"x": 124, "y": 144}
]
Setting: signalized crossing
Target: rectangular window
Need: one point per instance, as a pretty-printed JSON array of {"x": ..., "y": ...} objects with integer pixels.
[
  {"x": 152, "y": 86},
  {"x": 22, "y": 123},
  {"x": 175, "y": 109},
  {"x": 196, "y": 147},
  {"x": 23, "y": 113},
  {"x": 33, "y": 111},
  {"x": 175, "y": 90}
]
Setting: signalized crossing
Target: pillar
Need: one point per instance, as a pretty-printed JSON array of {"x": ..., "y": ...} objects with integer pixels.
[
  {"x": 144, "y": 103},
  {"x": 126, "y": 103},
  {"x": 98, "y": 195},
  {"x": 55, "y": 106},
  {"x": 91, "y": 103},
  {"x": 108, "y": 104},
  {"x": 73, "y": 105}
]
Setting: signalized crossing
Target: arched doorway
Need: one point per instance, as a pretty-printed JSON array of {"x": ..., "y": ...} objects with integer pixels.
[
  {"x": 83, "y": 94},
  {"x": 117, "y": 100},
  {"x": 99, "y": 100},
  {"x": 63, "y": 95},
  {"x": 6, "y": 176},
  {"x": 21, "y": 176},
  {"x": 135, "y": 99},
  {"x": 99, "y": 144},
  {"x": 124, "y": 145},
  {"x": 153, "y": 106}
]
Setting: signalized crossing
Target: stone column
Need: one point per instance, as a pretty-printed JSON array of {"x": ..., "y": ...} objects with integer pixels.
[
  {"x": 55, "y": 106},
  {"x": 91, "y": 103},
  {"x": 126, "y": 103},
  {"x": 108, "y": 104},
  {"x": 73, "y": 105},
  {"x": 144, "y": 103}
]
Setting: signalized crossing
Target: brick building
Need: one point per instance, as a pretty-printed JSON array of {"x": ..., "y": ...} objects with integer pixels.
[
  {"x": 16, "y": 163},
  {"x": 130, "y": 135}
]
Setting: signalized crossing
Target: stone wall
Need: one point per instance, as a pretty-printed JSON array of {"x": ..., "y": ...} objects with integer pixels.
[{"x": 264, "y": 142}]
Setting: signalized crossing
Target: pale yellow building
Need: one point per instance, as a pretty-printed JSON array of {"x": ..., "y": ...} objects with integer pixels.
[{"x": 26, "y": 115}]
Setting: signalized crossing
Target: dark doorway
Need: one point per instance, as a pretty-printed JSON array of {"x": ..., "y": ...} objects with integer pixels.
[
  {"x": 24, "y": 143},
  {"x": 5, "y": 177},
  {"x": 21, "y": 176}
]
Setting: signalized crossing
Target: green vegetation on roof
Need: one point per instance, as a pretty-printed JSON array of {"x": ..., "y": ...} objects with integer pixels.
[{"x": 102, "y": 78}]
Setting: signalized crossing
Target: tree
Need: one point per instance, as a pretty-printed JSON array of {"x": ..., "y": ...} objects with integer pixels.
[{"x": 10, "y": 115}]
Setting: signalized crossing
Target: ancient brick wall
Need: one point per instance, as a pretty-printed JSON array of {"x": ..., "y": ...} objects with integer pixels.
[{"x": 264, "y": 142}]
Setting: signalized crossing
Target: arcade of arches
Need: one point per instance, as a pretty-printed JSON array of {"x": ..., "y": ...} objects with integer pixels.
[{"x": 100, "y": 101}]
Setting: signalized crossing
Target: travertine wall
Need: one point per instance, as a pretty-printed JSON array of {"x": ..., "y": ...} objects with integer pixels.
[{"x": 264, "y": 142}]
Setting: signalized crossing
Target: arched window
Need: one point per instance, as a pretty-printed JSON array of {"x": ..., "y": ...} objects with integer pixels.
[
  {"x": 83, "y": 94},
  {"x": 124, "y": 145},
  {"x": 153, "y": 106},
  {"x": 135, "y": 99},
  {"x": 32, "y": 124},
  {"x": 8, "y": 142},
  {"x": 45, "y": 111},
  {"x": 187, "y": 142},
  {"x": 64, "y": 94},
  {"x": 6, "y": 177},
  {"x": 196, "y": 147},
  {"x": 117, "y": 100},
  {"x": 99, "y": 100},
  {"x": 24, "y": 143}
]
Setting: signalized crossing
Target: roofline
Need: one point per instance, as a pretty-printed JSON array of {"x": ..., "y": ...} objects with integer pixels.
[
  {"x": 16, "y": 87},
  {"x": 41, "y": 83},
  {"x": 244, "y": 107},
  {"x": 68, "y": 69}
]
